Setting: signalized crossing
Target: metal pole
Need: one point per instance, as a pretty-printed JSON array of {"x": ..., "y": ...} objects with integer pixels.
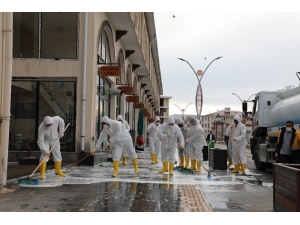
[
  {"x": 82, "y": 135},
  {"x": 199, "y": 83}
]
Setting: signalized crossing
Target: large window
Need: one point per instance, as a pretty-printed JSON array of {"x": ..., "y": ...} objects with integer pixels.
[
  {"x": 102, "y": 104},
  {"x": 33, "y": 100},
  {"x": 45, "y": 35},
  {"x": 103, "y": 50}
]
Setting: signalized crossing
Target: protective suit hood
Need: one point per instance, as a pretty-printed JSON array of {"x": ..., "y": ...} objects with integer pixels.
[
  {"x": 105, "y": 119},
  {"x": 48, "y": 120},
  {"x": 157, "y": 119},
  {"x": 192, "y": 121},
  {"x": 181, "y": 122},
  {"x": 120, "y": 117},
  {"x": 171, "y": 120},
  {"x": 237, "y": 118}
]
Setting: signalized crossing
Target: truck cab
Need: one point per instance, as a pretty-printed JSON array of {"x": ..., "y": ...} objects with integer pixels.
[
  {"x": 270, "y": 112},
  {"x": 262, "y": 144}
]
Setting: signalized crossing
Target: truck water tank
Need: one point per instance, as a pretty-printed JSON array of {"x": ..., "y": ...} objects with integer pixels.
[{"x": 287, "y": 109}]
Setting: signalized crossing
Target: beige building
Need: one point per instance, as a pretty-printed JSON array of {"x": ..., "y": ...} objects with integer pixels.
[
  {"x": 218, "y": 122},
  {"x": 164, "y": 108},
  {"x": 56, "y": 71}
]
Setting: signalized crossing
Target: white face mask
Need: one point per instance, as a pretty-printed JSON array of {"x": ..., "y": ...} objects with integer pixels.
[
  {"x": 170, "y": 126},
  {"x": 157, "y": 123},
  {"x": 288, "y": 129},
  {"x": 105, "y": 126}
]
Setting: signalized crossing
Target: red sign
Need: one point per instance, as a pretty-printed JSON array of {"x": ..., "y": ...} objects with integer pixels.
[
  {"x": 138, "y": 105},
  {"x": 132, "y": 98},
  {"x": 126, "y": 89},
  {"x": 110, "y": 71}
]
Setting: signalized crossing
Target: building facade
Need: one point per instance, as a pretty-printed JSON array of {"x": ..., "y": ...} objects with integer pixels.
[
  {"x": 56, "y": 70},
  {"x": 218, "y": 122}
]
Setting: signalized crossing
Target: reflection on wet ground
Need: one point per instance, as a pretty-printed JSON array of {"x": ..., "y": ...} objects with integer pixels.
[{"x": 148, "y": 191}]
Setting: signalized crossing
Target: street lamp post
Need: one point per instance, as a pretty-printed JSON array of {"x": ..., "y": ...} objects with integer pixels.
[
  {"x": 199, "y": 93},
  {"x": 183, "y": 110},
  {"x": 240, "y": 98}
]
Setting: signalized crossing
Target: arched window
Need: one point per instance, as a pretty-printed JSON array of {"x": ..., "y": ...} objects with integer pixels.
[{"x": 103, "y": 48}]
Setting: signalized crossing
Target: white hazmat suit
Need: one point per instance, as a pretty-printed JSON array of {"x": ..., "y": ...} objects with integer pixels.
[
  {"x": 170, "y": 133},
  {"x": 49, "y": 131},
  {"x": 154, "y": 139},
  {"x": 127, "y": 127},
  {"x": 239, "y": 145},
  {"x": 121, "y": 138},
  {"x": 197, "y": 140}
]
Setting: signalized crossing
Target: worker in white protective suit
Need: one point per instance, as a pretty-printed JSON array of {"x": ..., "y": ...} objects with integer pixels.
[
  {"x": 183, "y": 153},
  {"x": 169, "y": 134},
  {"x": 127, "y": 127},
  {"x": 121, "y": 139},
  {"x": 229, "y": 140},
  {"x": 197, "y": 140},
  {"x": 153, "y": 131},
  {"x": 239, "y": 145},
  {"x": 49, "y": 131}
]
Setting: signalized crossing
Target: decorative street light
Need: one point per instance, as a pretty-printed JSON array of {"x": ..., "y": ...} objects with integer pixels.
[
  {"x": 183, "y": 110},
  {"x": 199, "y": 93},
  {"x": 241, "y": 99}
]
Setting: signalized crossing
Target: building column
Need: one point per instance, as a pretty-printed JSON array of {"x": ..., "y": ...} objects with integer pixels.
[{"x": 6, "y": 77}]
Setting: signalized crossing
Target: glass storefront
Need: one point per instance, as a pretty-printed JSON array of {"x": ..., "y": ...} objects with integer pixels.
[
  {"x": 31, "y": 101},
  {"x": 102, "y": 104}
]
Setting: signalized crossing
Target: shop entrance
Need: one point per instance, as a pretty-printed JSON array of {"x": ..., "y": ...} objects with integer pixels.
[{"x": 31, "y": 101}]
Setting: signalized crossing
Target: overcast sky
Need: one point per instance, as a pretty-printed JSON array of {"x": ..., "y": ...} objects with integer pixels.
[{"x": 261, "y": 51}]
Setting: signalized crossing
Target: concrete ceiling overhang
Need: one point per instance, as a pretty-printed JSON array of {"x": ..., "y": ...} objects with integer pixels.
[{"x": 123, "y": 21}]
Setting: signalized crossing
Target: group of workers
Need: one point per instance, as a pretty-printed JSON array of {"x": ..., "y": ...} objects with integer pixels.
[{"x": 164, "y": 138}]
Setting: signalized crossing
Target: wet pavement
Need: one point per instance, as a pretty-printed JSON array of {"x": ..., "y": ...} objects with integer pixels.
[{"x": 93, "y": 189}]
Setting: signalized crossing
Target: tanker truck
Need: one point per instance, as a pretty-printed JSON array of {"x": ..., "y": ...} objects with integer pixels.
[{"x": 270, "y": 112}]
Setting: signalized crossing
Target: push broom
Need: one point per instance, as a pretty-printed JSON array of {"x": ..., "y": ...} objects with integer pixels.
[
  {"x": 208, "y": 173},
  {"x": 29, "y": 180},
  {"x": 68, "y": 168}
]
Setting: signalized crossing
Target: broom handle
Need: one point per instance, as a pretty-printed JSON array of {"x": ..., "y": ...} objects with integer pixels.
[
  {"x": 80, "y": 160},
  {"x": 49, "y": 152},
  {"x": 157, "y": 134},
  {"x": 185, "y": 150}
]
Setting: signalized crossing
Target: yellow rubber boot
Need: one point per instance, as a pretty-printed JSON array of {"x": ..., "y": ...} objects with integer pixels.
[
  {"x": 124, "y": 161},
  {"x": 43, "y": 171},
  {"x": 171, "y": 166},
  {"x": 165, "y": 167},
  {"x": 187, "y": 162},
  {"x": 116, "y": 168},
  {"x": 115, "y": 185},
  {"x": 193, "y": 164},
  {"x": 156, "y": 160},
  {"x": 198, "y": 169},
  {"x": 229, "y": 163},
  {"x": 57, "y": 169},
  {"x": 153, "y": 158},
  {"x": 236, "y": 168},
  {"x": 135, "y": 164},
  {"x": 181, "y": 162},
  {"x": 244, "y": 169},
  {"x": 133, "y": 186}
]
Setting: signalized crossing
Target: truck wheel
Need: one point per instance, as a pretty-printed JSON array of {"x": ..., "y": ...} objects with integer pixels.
[{"x": 258, "y": 164}]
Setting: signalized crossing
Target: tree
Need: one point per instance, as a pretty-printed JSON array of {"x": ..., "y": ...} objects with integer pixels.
[{"x": 289, "y": 87}]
